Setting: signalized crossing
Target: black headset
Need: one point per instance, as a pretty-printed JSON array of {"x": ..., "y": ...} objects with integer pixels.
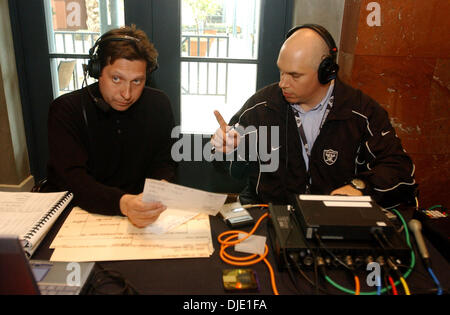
[
  {"x": 94, "y": 66},
  {"x": 328, "y": 68}
]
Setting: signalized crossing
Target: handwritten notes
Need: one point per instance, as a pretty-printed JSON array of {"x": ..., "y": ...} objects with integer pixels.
[
  {"x": 181, "y": 231},
  {"x": 93, "y": 237}
]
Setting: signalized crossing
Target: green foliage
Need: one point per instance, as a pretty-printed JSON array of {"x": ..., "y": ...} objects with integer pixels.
[{"x": 201, "y": 9}]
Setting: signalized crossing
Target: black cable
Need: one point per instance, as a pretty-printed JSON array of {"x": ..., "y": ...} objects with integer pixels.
[
  {"x": 424, "y": 276},
  {"x": 379, "y": 241},
  {"x": 103, "y": 280},
  {"x": 316, "y": 276},
  {"x": 321, "y": 245},
  {"x": 389, "y": 260},
  {"x": 306, "y": 277},
  {"x": 383, "y": 248},
  {"x": 386, "y": 270},
  {"x": 386, "y": 240},
  {"x": 291, "y": 274},
  {"x": 351, "y": 269}
]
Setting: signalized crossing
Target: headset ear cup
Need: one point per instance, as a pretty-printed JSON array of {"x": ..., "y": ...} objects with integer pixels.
[
  {"x": 94, "y": 68},
  {"x": 327, "y": 70}
]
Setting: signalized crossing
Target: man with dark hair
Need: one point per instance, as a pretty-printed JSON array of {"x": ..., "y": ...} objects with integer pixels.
[
  {"x": 333, "y": 139},
  {"x": 106, "y": 138}
]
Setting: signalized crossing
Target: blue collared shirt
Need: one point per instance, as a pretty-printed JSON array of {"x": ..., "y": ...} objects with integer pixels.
[{"x": 311, "y": 121}]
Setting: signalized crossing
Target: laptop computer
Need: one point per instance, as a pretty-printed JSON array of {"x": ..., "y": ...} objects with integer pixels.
[{"x": 34, "y": 277}]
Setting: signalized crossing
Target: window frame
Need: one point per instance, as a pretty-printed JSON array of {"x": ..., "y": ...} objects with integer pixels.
[{"x": 155, "y": 17}]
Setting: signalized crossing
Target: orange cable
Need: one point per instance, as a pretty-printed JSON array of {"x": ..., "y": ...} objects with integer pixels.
[
  {"x": 357, "y": 285},
  {"x": 247, "y": 260}
]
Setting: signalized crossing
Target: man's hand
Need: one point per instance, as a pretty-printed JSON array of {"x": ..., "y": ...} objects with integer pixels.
[
  {"x": 225, "y": 139},
  {"x": 139, "y": 213},
  {"x": 347, "y": 190}
]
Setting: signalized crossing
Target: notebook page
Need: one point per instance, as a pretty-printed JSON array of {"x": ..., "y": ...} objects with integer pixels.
[{"x": 19, "y": 211}]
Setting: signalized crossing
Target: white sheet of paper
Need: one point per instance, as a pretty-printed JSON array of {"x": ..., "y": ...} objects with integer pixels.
[
  {"x": 169, "y": 219},
  {"x": 141, "y": 252},
  {"x": 183, "y": 198},
  {"x": 19, "y": 211},
  {"x": 86, "y": 236},
  {"x": 255, "y": 244}
]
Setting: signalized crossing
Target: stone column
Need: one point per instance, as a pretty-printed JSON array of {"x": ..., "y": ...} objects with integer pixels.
[{"x": 14, "y": 164}]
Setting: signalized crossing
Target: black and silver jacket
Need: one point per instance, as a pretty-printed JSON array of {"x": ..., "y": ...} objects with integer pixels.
[{"x": 357, "y": 140}]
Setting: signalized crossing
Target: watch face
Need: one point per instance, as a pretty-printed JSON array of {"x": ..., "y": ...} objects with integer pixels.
[{"x": 358, "y": 183}]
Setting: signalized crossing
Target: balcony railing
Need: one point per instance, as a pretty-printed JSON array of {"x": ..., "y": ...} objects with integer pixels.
[
  {"x": 71, "y": 41},
  {"x": 203, "y": 47},
  {"x": 197, "y": 49},
  {"x": 71, "y": 46}
]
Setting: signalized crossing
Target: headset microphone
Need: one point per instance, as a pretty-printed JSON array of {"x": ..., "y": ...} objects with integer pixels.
[
  {"x": 94, "y": 68},
  {"x": 99, "y": 102},
  {"x": 416, "y": 227}
]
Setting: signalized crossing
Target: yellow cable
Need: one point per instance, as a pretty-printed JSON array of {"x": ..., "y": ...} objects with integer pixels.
[{"x": 405, "y": 286}]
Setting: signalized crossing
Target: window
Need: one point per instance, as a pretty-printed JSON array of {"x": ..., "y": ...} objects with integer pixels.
[
  {"x": 73, "y": 26},
  {"x": 219, "y": 52},
  {"x": 36, "y": 25}
]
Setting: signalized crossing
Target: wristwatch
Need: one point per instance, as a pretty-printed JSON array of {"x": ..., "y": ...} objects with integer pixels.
[{"x": 358, "y": 184}]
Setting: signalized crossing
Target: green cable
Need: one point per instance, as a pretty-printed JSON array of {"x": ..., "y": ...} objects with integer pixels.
[
  {"x": 434, "y": 207},
  {"x": 405, "y": 275},
  {"x": 408, "y": 241}
]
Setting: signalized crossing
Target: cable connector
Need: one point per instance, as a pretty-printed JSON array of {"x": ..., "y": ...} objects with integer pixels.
[
  {"x": 349, "y": 261},
  {"x": 320, "y": 261},
  {"x": 380, "y": 260},
  {"x": 392, "y": 264},
  {"x": 294, "y": 256}
]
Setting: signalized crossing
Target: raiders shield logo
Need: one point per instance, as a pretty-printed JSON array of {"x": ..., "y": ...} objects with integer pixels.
[{"x": 330, "y": 156}]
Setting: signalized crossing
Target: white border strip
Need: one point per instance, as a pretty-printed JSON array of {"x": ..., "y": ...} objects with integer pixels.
[{"x": 335, "y": 198}]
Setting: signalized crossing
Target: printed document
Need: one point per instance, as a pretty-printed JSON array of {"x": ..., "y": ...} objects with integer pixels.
[
  {"x": 94, "y": 237},
  {"x": 183, "y": 198}
]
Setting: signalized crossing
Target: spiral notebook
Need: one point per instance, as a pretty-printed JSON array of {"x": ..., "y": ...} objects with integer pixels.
[{"x": 30, "y": 215}]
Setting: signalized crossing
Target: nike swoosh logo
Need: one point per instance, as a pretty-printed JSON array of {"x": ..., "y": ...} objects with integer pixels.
[
  {"x": 383, "y": 133},
  {"x": 273, "y": 149}
]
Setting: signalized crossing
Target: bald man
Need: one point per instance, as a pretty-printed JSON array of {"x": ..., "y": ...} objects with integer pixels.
[{"x": 333, "y": 139}]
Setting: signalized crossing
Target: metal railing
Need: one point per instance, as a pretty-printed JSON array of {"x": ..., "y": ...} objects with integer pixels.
[
  {"x": 200, "y": 47},
  {"x": 73, "y": 38},
  {"x": 209, "y": 49},
  {"x": 69, "y": 45}
]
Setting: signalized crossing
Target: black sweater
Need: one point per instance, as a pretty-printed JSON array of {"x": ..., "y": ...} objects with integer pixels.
[{"x": 100, "y": 156}]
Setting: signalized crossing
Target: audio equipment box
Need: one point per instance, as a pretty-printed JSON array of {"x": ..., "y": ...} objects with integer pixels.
[
  {"x": 288, "y": 240},
  {"x": 340, "y": 217}
]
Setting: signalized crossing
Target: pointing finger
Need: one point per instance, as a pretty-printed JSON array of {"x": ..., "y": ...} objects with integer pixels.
[{"x": 223, "y": 125}]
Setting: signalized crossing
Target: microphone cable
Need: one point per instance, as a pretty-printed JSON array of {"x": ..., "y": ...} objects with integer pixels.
[
  {"x": 436, "y": 281},
  {"x": 416, "y": 227},
  {"x": 347, "y": 266},
  {"x": 393, "y": 286},
  {"x": 247, "y": 260},
  {"x": 404, "y": 276}
]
